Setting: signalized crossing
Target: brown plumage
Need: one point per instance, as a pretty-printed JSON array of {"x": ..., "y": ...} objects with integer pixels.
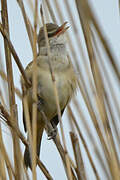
[{"x": 65, "y": 81}]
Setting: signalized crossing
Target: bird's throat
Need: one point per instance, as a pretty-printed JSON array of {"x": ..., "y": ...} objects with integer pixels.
[{"x": 55, "y": 50}]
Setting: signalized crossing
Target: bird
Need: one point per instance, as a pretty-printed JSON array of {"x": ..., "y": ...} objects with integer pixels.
[{"x": 65, "y": 77}]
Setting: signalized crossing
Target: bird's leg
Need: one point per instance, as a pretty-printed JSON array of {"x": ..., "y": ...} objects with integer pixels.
[
  {"x": 54, "y": 122},
  {"x": 51, "y": 130},
  {"x": 52, "y": 134}
]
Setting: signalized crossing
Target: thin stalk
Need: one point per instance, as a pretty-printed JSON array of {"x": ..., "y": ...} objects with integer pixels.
[
  {"x": 34, "y": 93},
  {"x": 2, "y": 160},
  {"x": 11, "y": 88}
]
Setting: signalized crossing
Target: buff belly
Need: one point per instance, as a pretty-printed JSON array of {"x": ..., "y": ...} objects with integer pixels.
[{"x": 48, "y": 95}]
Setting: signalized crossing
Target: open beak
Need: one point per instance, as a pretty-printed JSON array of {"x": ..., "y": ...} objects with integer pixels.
[{"x": 60, "y": 30}]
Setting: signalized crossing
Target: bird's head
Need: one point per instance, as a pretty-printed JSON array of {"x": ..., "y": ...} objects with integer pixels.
[{"x": 55, "y": 35}]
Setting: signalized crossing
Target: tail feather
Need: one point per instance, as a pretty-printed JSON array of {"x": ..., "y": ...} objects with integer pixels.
[{"x": 27, "y": 157}]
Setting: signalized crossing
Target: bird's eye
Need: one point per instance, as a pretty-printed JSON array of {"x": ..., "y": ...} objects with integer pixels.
[{"x": 50, "y": 35}]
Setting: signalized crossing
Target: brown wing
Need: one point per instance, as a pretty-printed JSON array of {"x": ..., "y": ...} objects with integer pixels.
[
  {"x": 25, "y": 90},
  {"x": 23, "y": 95}
]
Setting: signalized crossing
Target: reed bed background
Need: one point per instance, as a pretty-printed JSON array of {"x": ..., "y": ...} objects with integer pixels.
[{"x": 89, "y": 142}]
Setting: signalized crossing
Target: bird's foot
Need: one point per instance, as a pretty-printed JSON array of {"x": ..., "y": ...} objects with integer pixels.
[{"x": 52, "y": 134}]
